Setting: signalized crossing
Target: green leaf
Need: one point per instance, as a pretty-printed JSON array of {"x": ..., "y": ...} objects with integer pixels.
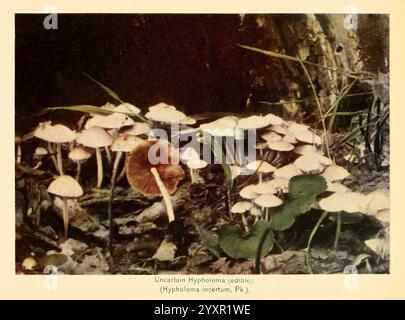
[
  {"x": 234, "y": 244},
  {"x": 56, "y": 259},
  {"x": 80, "y": 108},
  {"x": 209, "y": 241},
  {"x": 303, "y": 190},
  {"x": 306, "y": 184}
]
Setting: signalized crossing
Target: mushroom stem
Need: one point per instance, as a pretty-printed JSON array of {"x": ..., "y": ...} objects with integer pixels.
[
  {"x": 245, "y": 223},
  {"x": 59, "y": 158},
  {"x": 65, "y": 217},
  {"x": 52, "y": 153},
  {"x": 108, "y": 153},
  {"x": 110, "y": 215},
  {"x": 165, "y": 194},
  {"x": 123, "y": 171},
  {"x": 99, "y": 168},
  {"x": 19, "y": 153},
  {"x": 79, "y": 168},
  {"x": 115, "y": 167},
  {"x": 267, "y": 214},
  {"x": 192, "y": 176},
  {"x": 260, "y": 177}
]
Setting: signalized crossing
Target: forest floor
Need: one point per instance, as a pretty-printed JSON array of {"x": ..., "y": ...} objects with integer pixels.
[{"x": 141, "y": 227}]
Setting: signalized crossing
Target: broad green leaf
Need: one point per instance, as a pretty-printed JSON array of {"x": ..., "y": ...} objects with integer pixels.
[
  {"x": 303, "y": 190},
  {"x": 56, "y": 259},
  {"x": 306, "y": 184},
  {"x": 234, "y": 244},
  {"x": 209, "y": 241}
]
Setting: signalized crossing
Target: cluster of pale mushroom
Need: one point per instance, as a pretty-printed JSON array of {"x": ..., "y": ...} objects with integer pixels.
[
  {"x": 287, "y": 149},
  {"x": 94, "y": 136}
]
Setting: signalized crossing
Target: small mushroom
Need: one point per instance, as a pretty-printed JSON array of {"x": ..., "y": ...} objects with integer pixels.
[
  {"x": 248, "y": 192},
  {"x": 253, "y": 122},
  {"x": 343, "y": 201},
  {"x": 65, "y": 187},
  {"x": 307, "y": 136},
  {"x": 261, "y": 167},
  {"x": 195, "y": 164},
  {"x": 241, "y": 207},
  {"x": 138, "y": 128},
  {"x": 39, "y": 154},
  {"x": 165, "y": 113},
  {"x": 96, "y": 137},
  {"x": 335, "y": 173},
  {"x": 56, "y": 134},
  {"x": 288, "y": 171},
  {"x": 29, "y": 263},
  {"x": 308, "y": 163},
  {"x": 268, "y": 201},
  {"x": 153, "y": 177},
  {"x": 78, "y": 155},
  {"x": 123, "y": 144}
]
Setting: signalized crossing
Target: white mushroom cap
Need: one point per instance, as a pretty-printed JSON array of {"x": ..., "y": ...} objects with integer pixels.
[
  {"x": 188, "y": 121},
  {"x": 336, "y": 187},
  {"x": 138, "y": 128},
  {"x": 256, "y": 212},
  {"x": 279, "y": 184},
  {"x": 264, "y": 187},
  {"x": 273, "y": 119},
  {"x": 324, "y": 160},
  {"x": 343, "y": 201},
  {"x": 161, "y": 106},
  {"x": 112, "y": 121},
  {"x": 241, "y": 207},
  {"x": 281, "y": 129},
  {"x": 248, "y": 193},
  {"x": 127, "y": 108},
  {"x": 383, "y": 215},
  {"x": 95, "y": 137},
  {"x": 40, "y": 152},
  {"x": 65, "y": 186},
  {"x": 307, "y": 137},
  {"x": 294, "y": 127},
  {"x": 308, "y": 163},
  {"x": 280, "y": 146},
  {"x": 222, "y": 127},
  {"x": 377, "y": 200},
  {"x": 335, "y": 173},
  {"x": 125, "y": 143},
  {"x": 189, "y": 153},
  {"x": 165, "y": 113},
  {"x": 108, "y": 106},
  {"x": 306, "y": 149},
  {"x": 78, "y": 154},
  {"x": 260, "y": 166},
  {"x": 268, "y": 201},
  {"x": 253, "y": 122},
  {"x": 56, "y": 134},
  {"x": 271, "y": 136},
  {"x": 288, "y": 171},
  {"x": 290, "y": 138},
  {"x": 29, "y": 263},
  {"x": 196, "y": 164}
]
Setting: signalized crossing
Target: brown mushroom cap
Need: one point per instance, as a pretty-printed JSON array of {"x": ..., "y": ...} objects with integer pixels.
[{"x": 138, "y": 169}]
